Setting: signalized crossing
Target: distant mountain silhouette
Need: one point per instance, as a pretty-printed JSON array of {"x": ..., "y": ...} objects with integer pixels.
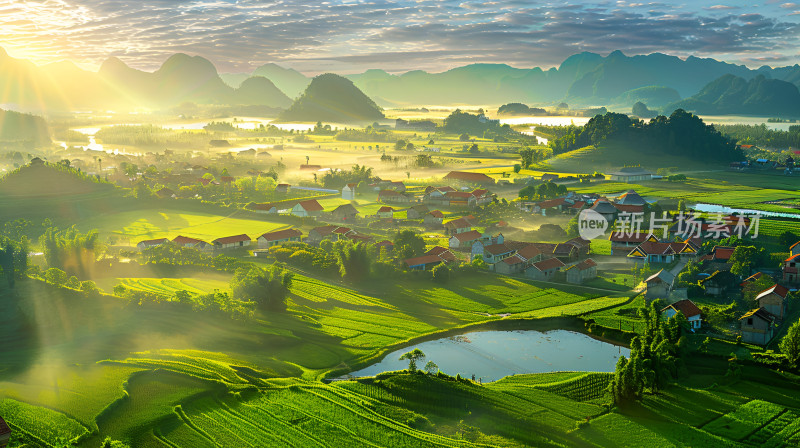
[
  {"x": 260, "y": 90},
  {"x": 653, "y": 96},
  {"x": 731, "y": 94},
  {"x": 332, "y": 98},
  {"x": 289, "y": 80}
]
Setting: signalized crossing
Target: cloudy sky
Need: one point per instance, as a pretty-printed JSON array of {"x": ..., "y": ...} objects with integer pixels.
[{"x": 349, "y": 36}]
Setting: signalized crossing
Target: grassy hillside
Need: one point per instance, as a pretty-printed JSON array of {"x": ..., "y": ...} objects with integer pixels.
[{"x": 612, "y": 155}]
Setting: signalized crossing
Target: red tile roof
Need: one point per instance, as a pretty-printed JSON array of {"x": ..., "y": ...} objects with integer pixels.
[
  {"x": 282, "y": 234},
  {"x": 722, "y": 252},
  {"x": 310, "y": 205},
  {"x": 184, "y": 240},
  {"x": 472, "y": 235},
  {"x": 629, "y": 208},
  {"x": 385, "y": 209},
  {"x": 584, "y": 265},
  {"x": 231, "y": 239},
  {"x": 342, "y": 230},
  {"x": 154, "y": 242},
  {"x": 437, "y": 214},
  {"x": 564, "y": 249},
  {"x": 460, "y": 223},
  {"x": 497, "y": 249},
  {"x": 425, "y": 259},
  {"x": 324, "y": 230},
  {"x": 685, "y": 307},
  {"x": 551, "y": 203},
  {"x": 550, "y": 263},
  {"x": 778, "y": 290},
  {"x": 529, "y": 251},
  {"x": 384, "y": 243},
  {"x": 513, "y": 260},
  {"x": 442, "y": 253}
]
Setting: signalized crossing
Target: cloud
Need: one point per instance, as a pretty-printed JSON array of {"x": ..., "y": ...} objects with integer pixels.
[{"x": 397, "y": 35}]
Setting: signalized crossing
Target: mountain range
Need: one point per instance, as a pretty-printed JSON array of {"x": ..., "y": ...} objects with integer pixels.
[{"x": 583, "y": 79}]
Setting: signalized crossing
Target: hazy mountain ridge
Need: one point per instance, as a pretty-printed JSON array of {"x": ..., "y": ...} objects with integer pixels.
[
  {"x": 332, "y": 98},
  {"x": 731, "y": 94}
]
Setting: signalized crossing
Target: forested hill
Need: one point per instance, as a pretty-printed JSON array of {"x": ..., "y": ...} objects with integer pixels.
[
  {"x": 680, "y": 134},
  {"x": 332, "y": 98},
  {"x": 731, "y": 94},
  {"x": 27, "y": 129}
]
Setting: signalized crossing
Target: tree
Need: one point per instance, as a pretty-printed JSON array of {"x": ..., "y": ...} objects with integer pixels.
[
  {"x": 408, "y": 244},
  {"x": 744, "y": 258},
  {"x": 527, "y": 156},
  {"x": 268, "y": 287},
  {"x": 517, "y": 168},
  {"x": 400, "y": 145},
  {"x": 413, "y": 357},
  {"x": 682, "y": 205},
  {"x": 788, "y": 238},
  {"x": 572, "y": 227},
  {"x": 431, "y": 367},
  {"x": 790, "y": 344},
  {"x": 354, "y": 261},
  {"x": 440, "y": 273}
]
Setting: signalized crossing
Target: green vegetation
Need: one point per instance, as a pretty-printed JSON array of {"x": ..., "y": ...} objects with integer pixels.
[{"x": 332, "y": 98}]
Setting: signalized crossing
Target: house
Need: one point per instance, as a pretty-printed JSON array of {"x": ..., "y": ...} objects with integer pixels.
[
  {"x": 459, "y": 225},
  {"x": 544, "y": 270},
  {"x": 552, "y": 206},
  {"x": 790, "y": 269},
  {"x": 530, "y": 253},
  {"x": 397, "y": 186},
  {"x": 496, "y": 252},
  {"x": 469, "y": 178},
  {"x": 430, "y": 259},
  {"x": 349, "y": 192},
  {"x": 385, "y": 212},
  {"x": 393, "y": 197},
  {"x": 417, "y": 211},
  {"x": 658, "y": 252},
  {"x": 270, "y": 239},
  {"x": 659, "y": 285},
  {"x": 631, "y": 174},
  {"x": 581, "y": 272},
  {"x": 689, "y": 310},
  {"x": 265, "y": 208},
  {"x": 165, "y": 193},
  {"x": 565, "y": 252},
  {"x": 330, "y": 232},
  {"x": 433, "y": 219},
  {"x": 460, "y": 199},
  {"x": 482, "y": 196},
  {"x": 307, "y": 208},
  {"x": 630, "y": 197},
  {"x": 757, "y": 326},
  {"x": 773, "y": 300},
  {"x": 146, "y": 244},
  {"x": 464, "y": 239},
  {"x": 717, "y": 283},
  {"x": 185, "y": 241},
  {"x": 581, "y": 245},
  {"x": 282, "y": 188},
  {"x": 622, "y": 243},
  {"x": 718, "y": 259},
  {"x": 436, "y": 195},
  {"x": 5, "y": 433},
  {"x": 795, "y": 249},
  {"x": 231, "y": 242},
  {"x": 384, "y": 245},
  {"x": 605, "y": 208},
  {"x": 344, "y": 212},
  {"x": 511, "y": 265},
  {"x": 752, "y": 278}
]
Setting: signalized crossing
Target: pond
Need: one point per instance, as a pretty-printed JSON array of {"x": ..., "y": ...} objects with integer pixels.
[
  {"x": 716, "y": 208},
  {"x": 491, "y": 355}
]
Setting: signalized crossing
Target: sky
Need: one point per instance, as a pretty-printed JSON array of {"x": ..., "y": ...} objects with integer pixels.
[{"x": 347, "y": 36}]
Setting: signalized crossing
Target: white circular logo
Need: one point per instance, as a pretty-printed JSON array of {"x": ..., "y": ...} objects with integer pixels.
[{"x": 591, "y": 224}]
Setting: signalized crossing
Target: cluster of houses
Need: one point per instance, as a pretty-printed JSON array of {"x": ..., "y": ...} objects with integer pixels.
[
  {"x": 758, "y": 325},
  {"x": 787, "y": 167},
  {"x": 537, "y": 261}
]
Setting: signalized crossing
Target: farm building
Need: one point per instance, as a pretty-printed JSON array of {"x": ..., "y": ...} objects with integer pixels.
[
  {"x": 544, "y": 270},
  {"x": 385, "y": 212},
  {"x": 5, "y": 433},
  {"x": 430, "y": 259},
  {"x": 658, "y": 252},
  {"x": 605, "y": 208},
  {"x": 344, "y": 212},
  {"x": 464, "y": 239},
  {"x": 659, "y": 285},
  {"x": 330, "y": 232},
  {"x": 631, "y": 174},
  {"x": 146, "y": 244},
  {"x": 349, "y": 192},
  {"x": 185, "y": 241},
  {"x": 494, "y": 253},
  {"x": 460, "y": 199},
  {"x": 790, "y": 269},
  {"x": 469, "y": 178},
  {"x": 794, "y": 249},
  {"x": 282, "y": 188},
  {"x": 689, "y": 310},
  {"x": 307, "y": 208},
  {"x": 459, "y": 225},
  {"x": 622, "y": 243},
  {"x": 433, "y": 219},
  {"x": 393, "y": 197},
  {"x": 397, "y": 186},
  {"x": 265, "y": 208},
  {"x": 565, "y": 252},
  {"x": 270, "y": 239},
  {"x": 417, "y": 211},
  {"x": 757, "y": 326},
  {"x": 436, "y": 195},
  {"x": 232, "y": 242},
  {"x": 630, "y": 197},
  {"x": 773, "y": 300},
  {"x": 717, "y": 283},
  {"x": 581, "y": 272}
]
